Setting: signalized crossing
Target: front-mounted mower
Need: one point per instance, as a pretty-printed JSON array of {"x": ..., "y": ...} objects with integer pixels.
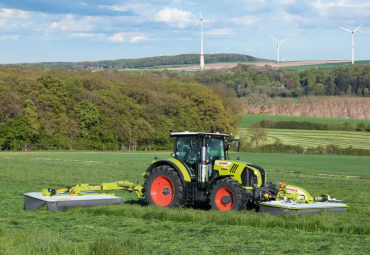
[{"x": 198, "y": 173}]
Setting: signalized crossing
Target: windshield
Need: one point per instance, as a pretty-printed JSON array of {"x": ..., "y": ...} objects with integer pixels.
[{"x": 216, "y": 148}]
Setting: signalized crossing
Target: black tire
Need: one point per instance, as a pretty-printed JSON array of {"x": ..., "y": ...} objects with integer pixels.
[
  {"x": 178, "y": 199},
  {"x": 238, "y": 196}
]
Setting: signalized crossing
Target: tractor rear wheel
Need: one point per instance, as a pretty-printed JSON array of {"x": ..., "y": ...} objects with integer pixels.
[
  {"x": 228, "y": 194},
  {"x": 163, "y": 187}
]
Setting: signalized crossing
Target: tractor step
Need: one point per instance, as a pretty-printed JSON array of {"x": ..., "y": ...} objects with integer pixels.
[
  {"x": 35, "y": 200},
  {"x": 190, "y": 195},
  {"x": 277, "y": 208}
]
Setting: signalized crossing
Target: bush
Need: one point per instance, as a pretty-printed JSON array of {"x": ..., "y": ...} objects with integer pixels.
[
  {"x": 268, "y": 124},
  {"x": 346, "y": 126},
  {"x": 334, "y": 149},
  {"x": 279, "y": 148},
  {"x": 360, "y": 126}
]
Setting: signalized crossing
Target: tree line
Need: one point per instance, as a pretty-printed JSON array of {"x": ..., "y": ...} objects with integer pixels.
[
  {"x": 78, "y": 109},
  {"x": 274, "y": 82},
  {"x": 184, "y": 59},
  {"x": 346, "y": 126}
]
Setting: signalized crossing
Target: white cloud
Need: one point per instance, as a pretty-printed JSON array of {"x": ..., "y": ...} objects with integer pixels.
[
  {"x": 342, "y": 9},
  {"x": 10, "y": 37},
  {"x": 132, "y": 37},
  {"x": 71, "y": 23},
  {"x": 87, "y": 35},
  {"x": 13, "y": 13},
  {"x": 137, "y": 7},
  {"x": 246, "y": 20},
  {"x": 174, "y": 17},
  {"x": 220, "y": 32}
]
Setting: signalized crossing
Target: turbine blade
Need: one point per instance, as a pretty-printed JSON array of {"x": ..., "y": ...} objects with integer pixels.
[
  {"x": 196, "y": 24},
  {"x": 285, "y": 40},
  {"x": 346, "y": 29},
  {"x": 200, "y": 14},
  {"x": 358, "y": 28},
  {"x": 209, "y": 21},
  {"x": 273, "y": 38}
]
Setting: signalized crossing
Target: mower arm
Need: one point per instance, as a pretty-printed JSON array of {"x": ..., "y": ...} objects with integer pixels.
[{"x": 85, "y": 189}]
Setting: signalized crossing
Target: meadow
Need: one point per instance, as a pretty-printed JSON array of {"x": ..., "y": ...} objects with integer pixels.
[
  {"x": 133, "y": 228},
  {"x": 324, "y": 67},
  {"x": 314, "y": 138}
]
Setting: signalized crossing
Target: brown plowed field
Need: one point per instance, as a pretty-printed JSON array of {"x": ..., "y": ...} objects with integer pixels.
[
  {"x": 335, "y": 107},
  {"x": 282, "y": 64}
]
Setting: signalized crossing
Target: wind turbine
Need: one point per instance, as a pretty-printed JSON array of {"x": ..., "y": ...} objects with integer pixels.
[
  {"x": 201, "y": 36},
  {"x": 278, "y": 47},
  {"x": 353, "y": 41}
]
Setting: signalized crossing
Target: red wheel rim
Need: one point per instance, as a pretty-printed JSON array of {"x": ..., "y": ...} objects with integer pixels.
[
  {"x": 218, "y": 199},
  {"x": 162, "y": 190}
]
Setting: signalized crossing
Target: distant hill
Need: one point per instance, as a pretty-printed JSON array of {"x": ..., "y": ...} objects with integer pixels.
[{"x": 184, "y": 59}]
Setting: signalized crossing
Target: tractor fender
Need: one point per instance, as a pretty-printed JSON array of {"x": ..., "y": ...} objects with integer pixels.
[
  {"x": 177, "y": 165},
  {"x": 215, "y": 180}
]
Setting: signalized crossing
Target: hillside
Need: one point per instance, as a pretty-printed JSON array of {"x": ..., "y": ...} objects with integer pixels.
[
  {"x": 61, "y": 109},
  {"x": 184, "y": 59}
]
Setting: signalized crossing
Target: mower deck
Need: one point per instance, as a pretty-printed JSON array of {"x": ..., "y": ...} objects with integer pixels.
[
  {"x": 35, "y": 200},
  {"x": 277, "y": 208}
]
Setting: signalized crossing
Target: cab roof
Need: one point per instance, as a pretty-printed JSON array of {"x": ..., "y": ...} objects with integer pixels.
[{"x": 187, "y": 133}]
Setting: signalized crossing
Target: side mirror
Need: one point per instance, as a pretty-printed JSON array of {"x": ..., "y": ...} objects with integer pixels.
[
  {"x": 227, "y": 147},
  {"x": 172, "y": 154}
]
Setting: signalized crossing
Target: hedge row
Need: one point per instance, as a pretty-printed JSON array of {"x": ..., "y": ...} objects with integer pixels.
[
  {"x": 346, "y": 126},
  {"x": 283, "y": 148}
]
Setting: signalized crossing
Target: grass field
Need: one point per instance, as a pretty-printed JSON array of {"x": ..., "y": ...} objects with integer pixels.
[
  {"x": 135, "y": 229},
  {"x": 314, "y": 138},
  {"x": 325, "y": 67},
  {"x": 249, "y": 119}
]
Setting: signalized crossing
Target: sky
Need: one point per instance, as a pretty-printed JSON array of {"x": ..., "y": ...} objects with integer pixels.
[{"x": 82, "y": 30}]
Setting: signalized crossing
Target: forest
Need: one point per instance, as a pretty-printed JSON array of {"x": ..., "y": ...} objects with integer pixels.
[
  {"x": 272, "y": 82},
  {"x": 79, "y": 109},
  {"x": 184, "y": 59}
]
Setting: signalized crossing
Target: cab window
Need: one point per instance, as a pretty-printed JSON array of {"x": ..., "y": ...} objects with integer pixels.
[{"x": 216, "y": 148}]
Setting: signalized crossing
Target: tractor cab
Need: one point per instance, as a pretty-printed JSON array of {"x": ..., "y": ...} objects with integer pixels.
[{"x": 199, "y": 151}]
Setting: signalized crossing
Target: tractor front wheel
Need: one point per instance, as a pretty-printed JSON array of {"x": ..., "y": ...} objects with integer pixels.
[
  {"x": 228, "y": 194},
  {"x": 163, "y": 187}
]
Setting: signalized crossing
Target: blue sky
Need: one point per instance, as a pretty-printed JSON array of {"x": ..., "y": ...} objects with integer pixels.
[{"x": 79, "y": 30}]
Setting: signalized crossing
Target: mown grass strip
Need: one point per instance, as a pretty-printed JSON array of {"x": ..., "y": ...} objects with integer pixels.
[{"x": 326, "y": 222}]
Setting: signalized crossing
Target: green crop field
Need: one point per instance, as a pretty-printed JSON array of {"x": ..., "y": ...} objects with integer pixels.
[
  {"x": 136, "y": 229},
  {"x": 249, "y": 119},
  {"x": 314, "y": 138},
  {"x": 323, "y": 67}
]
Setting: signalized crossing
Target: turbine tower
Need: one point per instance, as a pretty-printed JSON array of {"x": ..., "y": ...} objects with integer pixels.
[
  {"x": 201, "y": 38},
  {"x": 278, "y": 47},
  {"x": 353, "y": 41}
]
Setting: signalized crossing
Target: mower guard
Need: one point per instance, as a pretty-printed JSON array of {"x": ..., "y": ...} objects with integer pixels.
[
  {"x": 277, "y": 208},
  {"x": 35, "y": 200}
]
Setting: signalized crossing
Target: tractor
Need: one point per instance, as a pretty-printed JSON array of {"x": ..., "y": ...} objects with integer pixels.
[{"x": 200, "y": 171}]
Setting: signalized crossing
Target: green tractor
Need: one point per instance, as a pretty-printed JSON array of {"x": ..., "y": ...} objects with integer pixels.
[{"x": 200, "y": 171}]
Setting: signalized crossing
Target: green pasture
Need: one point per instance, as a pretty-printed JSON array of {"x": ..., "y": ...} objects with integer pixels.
[
  {"x": 324, "y": 67},
  {"x": 133, "y": 228},
  {"x": 249, "y": 119},
  {"x": 314, "y": 138}
]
